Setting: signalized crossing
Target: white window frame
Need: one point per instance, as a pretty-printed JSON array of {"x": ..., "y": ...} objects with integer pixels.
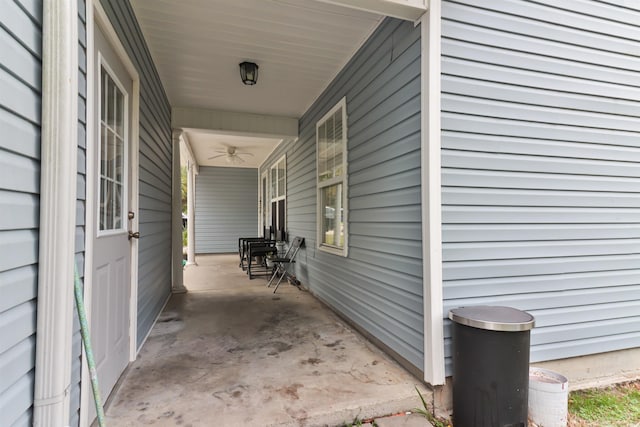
[
  {"x": 276, "y": 198},
  {"x": 124, "y": 205},
  {"x": 336, "y": 250}
]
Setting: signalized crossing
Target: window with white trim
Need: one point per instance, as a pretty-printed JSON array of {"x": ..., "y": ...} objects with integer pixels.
[
  {"x": 112, "y": 156},
  {"x": 279, "y": 195},
  {"x": 331, "y": 167}
]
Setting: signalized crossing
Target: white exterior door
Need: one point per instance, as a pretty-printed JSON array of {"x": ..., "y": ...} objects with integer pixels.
[{"x": 110, "y": 294}]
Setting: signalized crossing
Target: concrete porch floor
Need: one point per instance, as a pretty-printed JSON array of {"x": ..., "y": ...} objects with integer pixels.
[{"x": 231, "y": 353}]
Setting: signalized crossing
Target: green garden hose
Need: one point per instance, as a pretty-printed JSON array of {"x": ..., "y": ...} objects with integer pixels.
[{"x": 84, "y": 331}]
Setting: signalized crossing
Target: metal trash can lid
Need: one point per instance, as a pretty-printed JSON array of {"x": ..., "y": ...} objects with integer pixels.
[{"x": 493, "y": 318}]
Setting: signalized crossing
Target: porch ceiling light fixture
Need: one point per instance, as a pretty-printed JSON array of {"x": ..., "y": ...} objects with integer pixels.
[{"x": 249, "y": 73}]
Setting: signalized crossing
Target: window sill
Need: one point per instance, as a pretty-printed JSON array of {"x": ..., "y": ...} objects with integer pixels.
[{"x": 333, "y": 250}]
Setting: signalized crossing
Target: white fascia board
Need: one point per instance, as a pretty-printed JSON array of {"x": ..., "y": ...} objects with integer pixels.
[
  {"x": 58, "y": 178},
  {"x": 235, "y": 123},
  {"x": 409, "y": 10},
  {"x": 434, "y": 368}
]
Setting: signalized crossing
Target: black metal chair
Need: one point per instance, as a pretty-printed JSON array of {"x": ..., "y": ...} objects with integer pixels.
[
  {"x": 256, "y": 254},
  {"x": 243, "y": 245},
  {"x": 282, "y": 264}
]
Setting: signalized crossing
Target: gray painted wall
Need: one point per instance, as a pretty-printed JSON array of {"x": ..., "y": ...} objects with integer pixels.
[
  {"x": 154, "y": 270},
  {"x": 76, "y": 361},
  {"x": 379, "y": 285},
  {"x": 20, "y": 101},
  {"x": 541, "y": 181},
  {"x": 226, "y": 208}
]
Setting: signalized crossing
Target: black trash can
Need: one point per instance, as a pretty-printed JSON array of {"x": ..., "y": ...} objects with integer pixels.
[{"x": 490, "y": 366}]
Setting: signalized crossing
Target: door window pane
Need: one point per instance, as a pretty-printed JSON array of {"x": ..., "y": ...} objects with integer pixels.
[
  {"x": 118, "y": 123},
  {"x": 110, "y": 89},
  {"x": 112, "y": 154},
  {"x": 117, "y": 206},
  {"x": 108, "y": 205},
  {"x": 103, "y": 150},
  {"x": 118, "y": 162},
  {"x": 103, "y": 198}
]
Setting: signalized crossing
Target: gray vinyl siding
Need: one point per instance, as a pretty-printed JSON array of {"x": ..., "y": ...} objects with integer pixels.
[
  {"x": 379, "y": 285},
  {"x": 540, "y": 168},
  {"x": 154, "y": 268},
  {"x": 76, "y": 361},
  {"x": 226, "y": 208},
  {"x": 20, "y": 104}
]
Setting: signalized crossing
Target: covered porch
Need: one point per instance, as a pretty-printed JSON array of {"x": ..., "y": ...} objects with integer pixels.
[
  {"x": 231, "y": 352},
  {"x": 225, "y": 350}
]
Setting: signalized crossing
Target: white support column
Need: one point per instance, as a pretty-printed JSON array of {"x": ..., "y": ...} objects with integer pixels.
[
  {"x": 434, "y": 372},
  {"x": 191, "y": 213},
  {"x": 57, "y": 213},
  {"x": 177, "y": 285}
]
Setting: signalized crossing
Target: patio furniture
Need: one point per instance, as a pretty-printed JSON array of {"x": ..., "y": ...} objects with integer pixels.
[
  {"x": 256, "y": 254},
  {"x": 282, "y": 264},
  {"x": 243, "y": 245}
]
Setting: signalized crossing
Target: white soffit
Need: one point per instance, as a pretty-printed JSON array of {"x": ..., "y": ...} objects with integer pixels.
[{"x": 299, "y": 45}]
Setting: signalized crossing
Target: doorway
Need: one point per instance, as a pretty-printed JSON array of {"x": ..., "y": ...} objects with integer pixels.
[{"x": 114, "y": 206}]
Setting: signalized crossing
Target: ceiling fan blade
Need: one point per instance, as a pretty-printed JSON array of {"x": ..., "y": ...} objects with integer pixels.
[
  {"x": 245, "y": 154},
  {"x": 215, "y": 157}
]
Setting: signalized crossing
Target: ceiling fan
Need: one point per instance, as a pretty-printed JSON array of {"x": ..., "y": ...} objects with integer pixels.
[{"x": 231, "y": 155}]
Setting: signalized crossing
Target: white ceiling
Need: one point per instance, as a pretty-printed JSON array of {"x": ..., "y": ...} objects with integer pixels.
[
  {"x": 299, "y": 45},
  {"x": 206, "y": 145}
]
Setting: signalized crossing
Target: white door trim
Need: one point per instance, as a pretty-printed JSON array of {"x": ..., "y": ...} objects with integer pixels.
[
  {"x": 434, "y": 372},
  {"x": 57, "y": 213},
  {"x": 96, "y": 15}
]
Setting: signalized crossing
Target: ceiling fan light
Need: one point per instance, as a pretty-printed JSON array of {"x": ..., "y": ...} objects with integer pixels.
[{"x": 249, "y": 73}]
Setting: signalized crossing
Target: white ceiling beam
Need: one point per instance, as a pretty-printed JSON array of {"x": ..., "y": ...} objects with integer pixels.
[
  {"x": 409, "y": 10},
  {"x": 235, "y": 123},
  {"x": 192, "y": 157}
]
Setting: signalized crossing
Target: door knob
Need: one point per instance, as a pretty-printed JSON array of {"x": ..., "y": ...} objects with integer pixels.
[{"x": 133, "y": 235}]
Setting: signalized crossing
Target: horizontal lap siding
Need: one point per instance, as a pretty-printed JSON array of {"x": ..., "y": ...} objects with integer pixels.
[
  {"x": 20, "y": 104},
  {"x": 226, "y": 206},
  {"x": 540, "y": 168},
  {"x": 154, "y": 262},
  {"x": 379, "y": 285},
  {"x": 76, "y": 361}
]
